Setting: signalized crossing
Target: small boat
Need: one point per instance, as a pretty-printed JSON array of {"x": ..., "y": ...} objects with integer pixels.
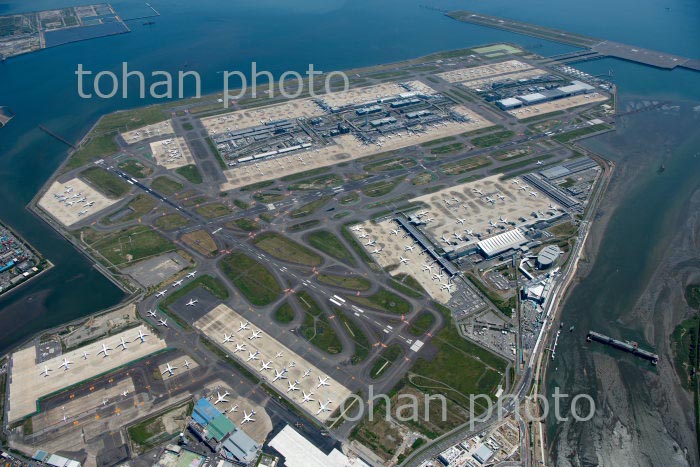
[
  {"x": 571, "y": 329},
  {"x": 148, "y": 23},
  {"x": 662, "y": 167}
]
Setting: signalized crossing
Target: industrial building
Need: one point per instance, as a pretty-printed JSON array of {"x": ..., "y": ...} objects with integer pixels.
[
  {"x": 502, "y": 242},
  {"x": 221, "y": 434},
  {"x": 545, "y": 95},
  {"x": 548, "y": 256},
  {"x": 54, "y": 460}
]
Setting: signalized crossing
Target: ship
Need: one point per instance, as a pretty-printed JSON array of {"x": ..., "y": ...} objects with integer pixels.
[
  {"x": 148, "y": 23},
  {"x": 662, "y": 167}
]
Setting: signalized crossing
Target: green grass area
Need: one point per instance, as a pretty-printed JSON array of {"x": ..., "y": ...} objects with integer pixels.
[
  {"x": 187, "y": 126},
  {"x": 382, "y": 188},
  {"x": 459, "y": 368},
  {"x": 355, "y": 245},
  {"x": 581, "y": 132},
  {"x": 257, "y": 186},
  {"x": 384, "y": 360},
  {"x": 248, "y": 225},
  {"x": 317, "y": 183},
  {"x": 447, "y": 148},
  {"x": 152, "y": 431},
  {"x": 316, "y": 328},
  {"x": 350, "y": 282},
  {"x": 213, "y": 210},
  {"x": 128, "y": 245},
  {"x": 303, "y": 225},
  {"x": 384, "y": 300},
  {"x": 135, "y": 168},
  {"x": 141, "y": 205},
  {"x": 684, "y": 344},
  {"x": 104, "y": 181},
  {"x": 190, "y": 173},
  {"x": 404, "y": 288},
  {"x": 305, "y": 174},
  {"x": 421, "y": 324},
  {"x": 309, "y": 208},
  {"x": 692, "y": 296},
  {"x": 348, "y": 198},
  {"x": 362, "y": 343},
  {"x": 251, "y": 278},
  {"x": 287, "y": 249},
  {"x": 328, "y": 243},
  {"x": 505, "y": 305},
  {"x": 171, "y": 221},
  {"x": 268, "y": 197},
  {"x": 523, "y": 163},
  {"x": 387, "y": 165},
  {"x": 493, "y": 139},
  {"x": 565, "y": 229},
  {"x": 239, "y": 203},
  {"x": 100, "y": 141},
  {"x": 465, "y": 165},
  {"x": 285, "y": 313},
  {"x": 423, "y": 179},
  {"x": 439, "y": 141},
  {"x": 166, "y": 185}
]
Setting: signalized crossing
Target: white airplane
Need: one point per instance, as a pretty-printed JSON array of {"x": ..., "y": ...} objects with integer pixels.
[
  {"x": 408, "y": 248},
  {"x": 239, "y": 348},
  {"x": 255, "y": 335},
  {"x": 477, "y": 191},
  {"x": 253, "y": 356},
  {"x": 364, "y": 235},
  {"x": 540, "y": 162},
  {"x": 233, "y": 409},
  {"x": 85, "y": 354},
  {"x": 403, "y": 260},
  {"x": 192, "y": 274},
  {"x": 376, "y": 251},
  {"x": 533, "y": 193},
  {"x": 427, "y": 267},
  {"x": 492, "y": 223},
  {"x": 169, "y": 369},
  {"x": 66, "y": 363},
  {"x": 500, "y": 196},
  {"x": 248, "y": 417},
  {"x": 45, "y": 371},
  {"x": 177, "y": 283},
  {"x": 279, "y": 354},
  {"x": 91, "y": 203},
  {"x": 394, "y": 232},
  {"x": 516, "y": 182},
  {"x": 221, "y": 397},
  {"x": 104, "y": 401},
  {"x": 243, "y": 326},
  {"x": 279, "y": 375},
  {"x": 105, "y": 350},
  {"x": 292, "y": 386},
  {"x": 370, "y": 243},
  {"x": 306, "y": 373},
  {"x": 307, "y": 397},
  {"x": 142, "y": 336},
  {"x": 266, "y": 366},
  {"x": 191, "y": 302},
  {"x": 122, "y": 343},
  {"x": 429, "y": 220},
  {"x": 447, "y": 286},
  {"x": 460, "y": 221},
  {"x": 227, "y": 339},
  {"x": 355, "y": 228},
  {"x": 125, "y": 393},
  {"x": 502, "y": 220},
  {"x": 457, "y": 235},
  {"x": 187, "y": 364},
  {"x": 445, "y": 239},
  {"x": 83, "y": 212},
  {"x": 163, "y": 322},
  {"x": 161, "y": 293},
  {"x": 324, "y": 407},
  {"x": 151, "y": 313},
  {"x": 323, "y": 382},
  {"x": 490, "y": 200},
  {"x": 470, "y": 232}
]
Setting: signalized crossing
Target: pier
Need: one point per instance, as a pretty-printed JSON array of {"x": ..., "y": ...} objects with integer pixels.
[
  {"x": 57, "y": 136},
  {"x": 627, "y": 346},
  {"x": 594, "y": 47}
]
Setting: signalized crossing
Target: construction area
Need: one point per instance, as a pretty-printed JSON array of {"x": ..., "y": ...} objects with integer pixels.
[
  {"x": 85, "y": 363},
  {"x": 253, "y": 352},
  {"x": 70, "y": 201}
]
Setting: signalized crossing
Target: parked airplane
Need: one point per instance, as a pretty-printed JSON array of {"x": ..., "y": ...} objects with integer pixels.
[
  {"x": 266, "y": 366},
  {"x": 500, "y": 196},
  {"x": 394, "y": 232},
  {"x": 105, "y": 350},
  {"x": 408, "y": 248},
  {"x": 490, "y": 200},
  {"x": 421, "y": 214},
  {"x": 376, "y": 251},
  {"x": 169, "y": 369},
  {"x": 307, "y": 397},
  {"x": 292, "y": 386},
  {"x": 279, "y": 375},
  {"x": 177, "y": 283},
  {"x": 540, "y": 162},
  {"x": 142, "y": 336},
  {"x": 253, "y": 356},
  {"x": 191, "y": 302},
  {"x": 243, "y": 326},
  {"x": 45, "y": 371},
  {"x": 323, "y": 407},
  {"x": 255, "y": 335},
  {"x": 161, "y": 293},
  {"x": 125, "y": 393},
  {"x": 477, "y": 191},
  {"x": 233, "y": 409},
  {"x": 239, "y": 348},
  {"x": 151, "y": 313},
  {"x": 227, "y": 339},
  {"x": 533, "y": 193},
  {"x": 306, "y": 373},
  {"x": 403, "y": 260},
  {"x": 85, "y": 354},
  {"x": 122, "y": 343},
  {"x": 460, "y": 221},
  {"x": 66, "y": 364},
  {"x": 323, "y": 381},
  {"x": 192, "y": 274},
  {"x": 427, "y": 267},
  {"x": 163, "y": 322},
  {"x": 248, "y": 417},
  {"x": 221, "y": 397},
  {"x": 187, "y": 364},
  {"x": 447, "y": 287},
  {"x": 279, "y": 354},
  {"x": 502, "y": 220},
  {"x": 370, "y": 243}
]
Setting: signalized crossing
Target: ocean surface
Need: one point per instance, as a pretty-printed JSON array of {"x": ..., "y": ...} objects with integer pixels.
[{"x": 210, "y": 36}]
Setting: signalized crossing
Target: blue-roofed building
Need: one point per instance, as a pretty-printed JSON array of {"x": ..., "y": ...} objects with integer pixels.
[{"x": 204, "y": 412}]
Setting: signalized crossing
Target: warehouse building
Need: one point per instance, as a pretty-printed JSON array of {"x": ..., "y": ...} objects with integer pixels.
[
  {"x": 545, "y": 95},
  {"x": 500, "y": 243}
]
